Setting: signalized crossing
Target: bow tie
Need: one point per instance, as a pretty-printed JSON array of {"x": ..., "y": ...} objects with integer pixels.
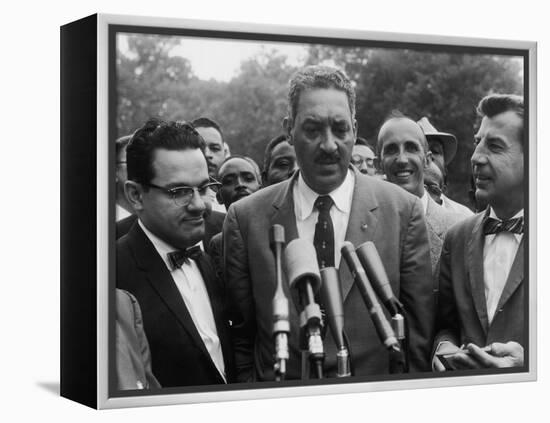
[
  {"x": 494, "y": 226},
  {"x": 177, "y": 258}
]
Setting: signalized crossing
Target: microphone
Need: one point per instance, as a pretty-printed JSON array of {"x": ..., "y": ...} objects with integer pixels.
[
  {"x": 304, "y": 281},
  {"x": 383, "y": 328},
  {"x": 281, "y": 324},
  {"x": 331, "y": 296},
  {"x": 371, "y": 261}
]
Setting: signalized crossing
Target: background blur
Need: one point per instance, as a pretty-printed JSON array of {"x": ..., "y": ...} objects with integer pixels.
[{"x": 243, "y": 86}]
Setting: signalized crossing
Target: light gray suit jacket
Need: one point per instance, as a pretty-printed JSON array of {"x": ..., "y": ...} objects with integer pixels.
[{"x": 380, "y": 212}]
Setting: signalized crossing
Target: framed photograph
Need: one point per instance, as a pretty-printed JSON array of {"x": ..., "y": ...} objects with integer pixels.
[{"x": 131, "y": 335}]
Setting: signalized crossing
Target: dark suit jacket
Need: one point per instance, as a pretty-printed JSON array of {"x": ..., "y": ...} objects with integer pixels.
[
  {"x": 179, "y": 356},
  {"x": 213, "y": 224},
  {"x": 462, "y": 311},
  {"x": 380, "y": 212}
]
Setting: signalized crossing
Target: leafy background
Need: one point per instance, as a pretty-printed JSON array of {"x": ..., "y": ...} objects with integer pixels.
[{"x": 445, "y": 87}]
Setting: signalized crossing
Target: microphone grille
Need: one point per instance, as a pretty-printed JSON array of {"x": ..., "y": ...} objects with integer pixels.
[{"x": 301, "y": 262}]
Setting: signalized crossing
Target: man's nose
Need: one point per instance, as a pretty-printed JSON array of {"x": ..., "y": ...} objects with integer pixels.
[
  {"x": 328, "y": 143},
  {"x": 197, "y": 202},
  {"x": 479, "y": 156},
  {"x": 402, "y": 156}
]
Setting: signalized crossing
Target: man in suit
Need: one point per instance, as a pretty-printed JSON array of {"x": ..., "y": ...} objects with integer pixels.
[
  {"x": 133, "y": 357},
  {"x": 239, "y": 177},
  {"x": 404, "y": 156},
  {"x": 175, "y": 285},
  {"x": 482, "y": 303},
  {"x": 321, "y": 125}
]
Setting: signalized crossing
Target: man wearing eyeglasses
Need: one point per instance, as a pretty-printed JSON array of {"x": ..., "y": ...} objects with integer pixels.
[
  {"x": 362, "y": 157},
  {"x": 158, "y": 260}
]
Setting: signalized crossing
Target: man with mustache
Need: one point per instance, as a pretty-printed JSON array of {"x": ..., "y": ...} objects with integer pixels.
[
  {"x": 404, "y": 157},
  {"x": 326, "y": 203},
  {"x": 215, "y": 151},
  {"x": 159, "y": 263},
  {"x": 482, "y": 286}
]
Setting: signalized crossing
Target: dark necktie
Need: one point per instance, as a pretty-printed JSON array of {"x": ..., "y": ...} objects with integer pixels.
[
  {"x": 494, "y": 226},
  {"x": 323, "y": 240},
  {"x": 177, "y": 258}
]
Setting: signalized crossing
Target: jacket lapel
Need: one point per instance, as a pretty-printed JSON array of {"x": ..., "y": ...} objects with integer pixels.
[
  {"x": 361, "y": 225},
  {"x": 474, "y": 264},
  {"x": 161, "y": 281},
  {"x": 284, "y": 210},
  {"x": 515, "y": 277}
]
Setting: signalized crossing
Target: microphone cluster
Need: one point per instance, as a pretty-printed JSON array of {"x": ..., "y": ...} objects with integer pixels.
[{"x": 307, "y": 283}]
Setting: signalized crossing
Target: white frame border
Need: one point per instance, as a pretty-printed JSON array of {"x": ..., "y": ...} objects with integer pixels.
[{"x": 103, "y": 401}]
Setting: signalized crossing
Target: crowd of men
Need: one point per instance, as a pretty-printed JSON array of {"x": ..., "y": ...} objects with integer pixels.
[{"x": 196, "y": 275}]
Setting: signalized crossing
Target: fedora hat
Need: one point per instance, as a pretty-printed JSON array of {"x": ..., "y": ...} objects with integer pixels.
[{"x": 448, "y": 141}]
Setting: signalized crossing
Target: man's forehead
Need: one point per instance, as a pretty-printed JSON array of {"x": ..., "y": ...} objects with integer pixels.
[
  {"x": 282, "y": 148},
  {"x": 400, "y": 130},
  {"x": 363, "y": 150},
  {"x": 236, "y": 165},
  {"x": 319, "y": 103},
  {"x": 210, "y": 134}
]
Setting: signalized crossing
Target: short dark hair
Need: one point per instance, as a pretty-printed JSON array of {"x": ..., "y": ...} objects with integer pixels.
[
  {"x": 318, "y": 76},
  {"x": 362, "y": 141},
  {"x": 495, "y": 104},
  {"x": 269, "y": 149},
  {"x": 156, "y": 134},
  {"x": 247, "y": 159},
  {"x": 205, "y": 122}
]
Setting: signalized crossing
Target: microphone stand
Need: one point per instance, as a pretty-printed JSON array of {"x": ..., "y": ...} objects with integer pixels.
[
  {"x": 281, "y": 324},
  {"x": 311, "y": 324}
]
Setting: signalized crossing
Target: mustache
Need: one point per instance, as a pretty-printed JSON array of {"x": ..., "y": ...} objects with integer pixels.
[{"x": 327, "y": 158}]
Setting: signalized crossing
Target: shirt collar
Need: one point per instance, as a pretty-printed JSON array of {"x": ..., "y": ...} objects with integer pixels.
[
  {"x": 306, "y": 197},
  {"x": 162, "y": 247},
  {"x": 424, "y": 200}
]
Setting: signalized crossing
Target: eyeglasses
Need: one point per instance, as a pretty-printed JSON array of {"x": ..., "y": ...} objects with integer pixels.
[
  {"x": 358, "y": 160},
  {"x": 183, "y": 195}
]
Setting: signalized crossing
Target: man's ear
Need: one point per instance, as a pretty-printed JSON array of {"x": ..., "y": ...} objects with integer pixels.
[
  {"x": 354, "y": 129},
  {"x": 134, "y": 194},
  {"x": 287, "y": 127}
]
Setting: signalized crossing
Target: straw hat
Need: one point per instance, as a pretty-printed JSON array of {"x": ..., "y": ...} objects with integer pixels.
[{"x": 447, "y": 140}]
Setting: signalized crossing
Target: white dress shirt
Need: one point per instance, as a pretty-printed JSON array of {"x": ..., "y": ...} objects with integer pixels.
[
  {"x": 424, "y": 201},
  {"x": 306, "y": 213},
  {"x": 190, "y": 284},
  {"x": 499, "y": 252}
]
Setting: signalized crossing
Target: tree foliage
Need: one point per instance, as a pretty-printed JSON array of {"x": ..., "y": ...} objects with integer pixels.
[{"x": 250, "y": 107}]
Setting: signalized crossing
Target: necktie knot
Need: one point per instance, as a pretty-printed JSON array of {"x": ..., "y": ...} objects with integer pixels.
[
  {"x": 177, "y": 258},
  {"x": 495, "y": 226},
  {"x": 323, "y": 203}
]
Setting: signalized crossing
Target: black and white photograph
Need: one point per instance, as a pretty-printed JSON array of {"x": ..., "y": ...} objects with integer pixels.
[
  {"x": 325, "y": 210},
  {"x": 265, "y": 212}
]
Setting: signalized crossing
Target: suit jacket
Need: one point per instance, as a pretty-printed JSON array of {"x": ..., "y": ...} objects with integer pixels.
[
  {"x": 179, "y": 356},
  {"x": 213, "y": 224},
  {"x": 133, "y": 357},
  {"x": 462, "y": 312},
  {"x": 438, "y": 221},
  {"x": 380, "y": 212}
]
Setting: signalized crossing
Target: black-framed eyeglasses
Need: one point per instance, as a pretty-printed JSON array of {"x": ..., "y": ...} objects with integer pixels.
[{"x": 183, "y": 195}]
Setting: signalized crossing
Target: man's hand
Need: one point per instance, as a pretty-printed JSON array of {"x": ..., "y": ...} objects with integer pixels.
[{"x": 497, "y": 355}]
